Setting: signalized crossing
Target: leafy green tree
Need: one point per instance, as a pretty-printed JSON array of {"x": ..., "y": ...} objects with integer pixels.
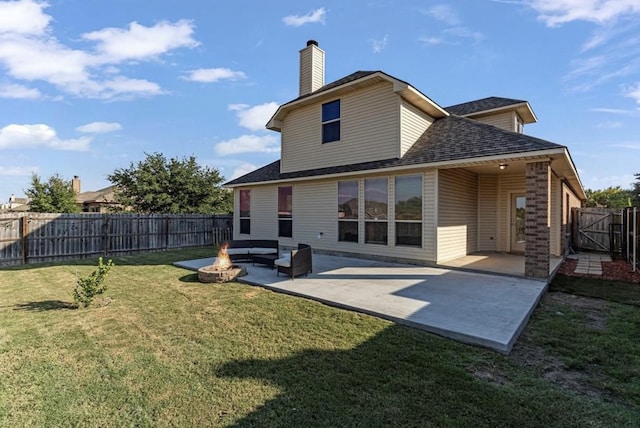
[
  {"x": 636, "y": 191},
  {"x": 55, "y": 195},
  {"x": 611, "y": 197},
  {"x": 173, "y": 186}
]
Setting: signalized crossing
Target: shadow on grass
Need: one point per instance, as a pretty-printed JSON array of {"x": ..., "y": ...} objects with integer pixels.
[
  {"x": 614, "y": 291},
  {"x": 190, "y": 278},
  {"x": 150, "y": 258},
  {"x": 400, "y": 377},
  {"x": 45, "y": 305}
]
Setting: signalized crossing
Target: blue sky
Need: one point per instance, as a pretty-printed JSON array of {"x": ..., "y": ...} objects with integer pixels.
[{"x": 89, "y": 86}]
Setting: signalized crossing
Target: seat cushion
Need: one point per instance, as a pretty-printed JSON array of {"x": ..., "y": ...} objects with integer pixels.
[
  {"x": 283, "y": 262},
  {"x": 236, "y": 251},
  {"x": 262, "y": 250}
]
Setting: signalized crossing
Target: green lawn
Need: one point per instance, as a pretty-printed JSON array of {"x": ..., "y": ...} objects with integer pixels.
[{"x": 169, "y": 351}]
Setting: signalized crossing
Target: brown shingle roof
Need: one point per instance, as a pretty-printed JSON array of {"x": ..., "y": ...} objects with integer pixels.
[
  {"x": 447, "y": 139},
  {"x": 489, "y": 103}
]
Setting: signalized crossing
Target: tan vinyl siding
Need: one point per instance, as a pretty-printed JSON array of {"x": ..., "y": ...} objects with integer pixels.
[
  {"x": 457, "y": 213},
  {"x": 311, "y": 69},
  {"x": 487, "y": 212},
  {"x": 264, "y": 212},
  {"x": 501, "y": 120},
  {"x": 315, "y": 211},
  {"x": 370, "y": 130},
  {"x": 413, "y": 123},
  {"x": 430, "y": 216},
  {"x": 555, "y": 214},
  {"x": 507, "y": 186}
]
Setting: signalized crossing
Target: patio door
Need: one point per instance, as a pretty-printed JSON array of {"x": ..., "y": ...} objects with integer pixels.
[{"x": 518, "y": 208}]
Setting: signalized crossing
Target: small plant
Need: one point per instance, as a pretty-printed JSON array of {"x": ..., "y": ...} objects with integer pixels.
[{"x": 89, "y": 287}]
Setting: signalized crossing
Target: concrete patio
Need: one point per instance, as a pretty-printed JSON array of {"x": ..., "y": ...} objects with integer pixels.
[
  {"x": 477, "y": 308},
  {"x": 500, "y": 263}
]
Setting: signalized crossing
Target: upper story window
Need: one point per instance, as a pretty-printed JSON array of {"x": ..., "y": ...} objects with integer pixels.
[{"x": 331, "y": 121}]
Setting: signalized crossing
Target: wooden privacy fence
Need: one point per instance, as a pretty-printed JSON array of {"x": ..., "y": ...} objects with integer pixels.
[
  {"x": 596, "y": 229},
  {"x": 631, "y": 236},
  {"x": 32, "y": 238}
]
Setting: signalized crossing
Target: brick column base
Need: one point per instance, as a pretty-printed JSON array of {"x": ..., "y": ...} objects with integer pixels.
[{"x": 536, "y": 220}]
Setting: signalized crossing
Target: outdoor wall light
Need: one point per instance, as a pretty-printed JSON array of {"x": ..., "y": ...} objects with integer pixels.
[
  {"x": 320, "y": 235},
  {"x": 503, "y": 166}
]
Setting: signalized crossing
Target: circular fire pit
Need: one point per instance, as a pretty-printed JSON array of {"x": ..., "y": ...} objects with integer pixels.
[{"x": 210, "y": 274}]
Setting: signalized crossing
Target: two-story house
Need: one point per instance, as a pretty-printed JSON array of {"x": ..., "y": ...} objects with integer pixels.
[{"x": 370, "y": 166}]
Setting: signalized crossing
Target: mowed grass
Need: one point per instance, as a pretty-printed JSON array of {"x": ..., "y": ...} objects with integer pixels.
[{"x": 169, "y": 351}]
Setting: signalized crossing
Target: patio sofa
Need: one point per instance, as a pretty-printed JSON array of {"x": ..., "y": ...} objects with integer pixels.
[
  {"x": 245, "y": 249},
  {"x": 297, "y": 262}
]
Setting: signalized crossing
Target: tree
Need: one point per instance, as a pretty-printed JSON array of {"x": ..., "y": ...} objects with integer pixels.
[
  {"x": 53, "y": 196},
  {"x": 175, "y": 186},
  {"x": 611, "y": 197},
  {"x": 636, "y": 191}
]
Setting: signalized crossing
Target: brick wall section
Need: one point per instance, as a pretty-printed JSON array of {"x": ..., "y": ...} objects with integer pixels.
[{"x": 537, "y": 235}]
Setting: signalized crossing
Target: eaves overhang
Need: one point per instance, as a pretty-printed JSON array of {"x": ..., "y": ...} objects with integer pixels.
[{"x": 403, "y": 89}]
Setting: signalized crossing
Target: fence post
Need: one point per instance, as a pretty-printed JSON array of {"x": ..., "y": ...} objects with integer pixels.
[
  {"x": 105, "y": 235},
  {"x": 25, "y": 239}
]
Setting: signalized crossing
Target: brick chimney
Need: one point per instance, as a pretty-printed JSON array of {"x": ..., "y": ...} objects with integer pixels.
[
  {"x": 75, "y": 184},
  {"x": 311, "y": 68}
]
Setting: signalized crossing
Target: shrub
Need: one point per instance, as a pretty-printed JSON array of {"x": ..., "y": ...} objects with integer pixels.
[{"x": 89, "y": 287}]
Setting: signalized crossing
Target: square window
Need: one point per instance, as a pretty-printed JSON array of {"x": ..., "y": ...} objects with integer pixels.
[
  {"x": 331, "y": 132},
  {"x": 331, "y": 111},
  {"x": 348, "y": 231},
  {"x": 285, "y": 228},
  {"x": 375, "y": 233},
  {"x": 409, "y": 234},
  {"x": 245, "y": 226}
]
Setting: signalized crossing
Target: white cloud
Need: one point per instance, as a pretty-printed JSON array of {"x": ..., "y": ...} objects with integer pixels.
[
  {"x": 609, "y": 125},
  {"x": 236, "y": 107},
  {"x": 634, "y": 93},
  {"x": 312, "y": 17},
  {"x": 455, "y": 31},
  {"x": 557, "y": 12},
  {"x": 23, "y": 17},
  {"x": 38, "y": 135},
  {"x": 254, "y": 118},
  {"x": 99, "y": 127},
  {"x": 15, "y": 91},
  {"x": 464, "y": 33},
  {"x": 594, "y": 181},
  {"x": 431, "y": 41},
  {"x": 248, "y": 144},
  {"x": 444, "y": 13},
  {"x": 618, "y": 111},
  {"x": 241, "y": 170},
  {"x": 379, "y": 45},
  {"x": 632, "y": 146},
  {"x": 17, "y": 171},
  {"x": 209, "y": 75},
  {"x": 30, "y": 52},
  {"x": 140, "y": 42}
]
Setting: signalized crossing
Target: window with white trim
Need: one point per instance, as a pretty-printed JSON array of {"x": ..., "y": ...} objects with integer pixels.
[
  {"x": 245, "y": 212},
  {"x": 376, "y": 210},
  {"x": 408, "y": 210},
  {"x": 348, "y": 211},
  {"x": 331, "y": 121},
  {"x": 285, "y": 212}
]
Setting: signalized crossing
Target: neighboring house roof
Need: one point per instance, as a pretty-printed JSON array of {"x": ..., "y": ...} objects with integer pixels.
[
  {"x": 448, "y": 139},
  {"x": 493, "y": 104},
  {"x": 99, "y": 196}
]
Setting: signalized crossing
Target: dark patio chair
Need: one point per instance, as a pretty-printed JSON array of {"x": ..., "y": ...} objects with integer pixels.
[{"x": 297, "y": 263}]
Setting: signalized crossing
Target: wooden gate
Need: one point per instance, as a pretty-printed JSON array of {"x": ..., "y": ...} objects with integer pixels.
[{"x": 596, "y": 229}]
